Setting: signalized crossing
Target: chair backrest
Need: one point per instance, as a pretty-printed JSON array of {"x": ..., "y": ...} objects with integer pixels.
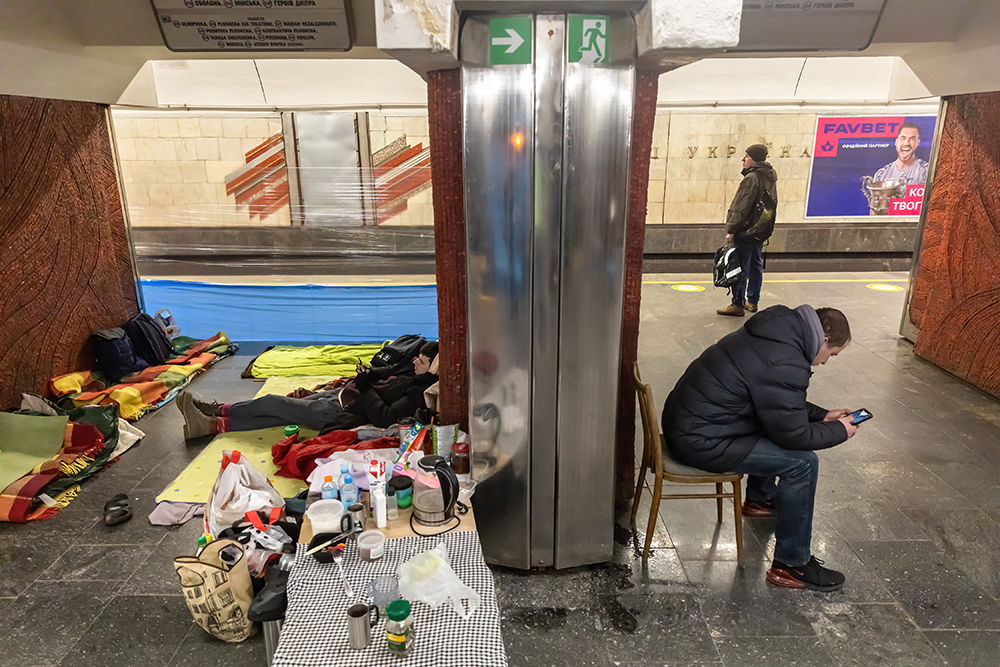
[{"x": 647, "y": 410}]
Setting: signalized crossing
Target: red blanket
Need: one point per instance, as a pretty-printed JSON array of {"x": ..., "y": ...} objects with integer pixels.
[{"x": 298, "y": 459}]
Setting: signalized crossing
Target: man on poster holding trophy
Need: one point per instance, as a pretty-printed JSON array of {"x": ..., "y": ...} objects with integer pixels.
[{"x": 892, "y": 180}]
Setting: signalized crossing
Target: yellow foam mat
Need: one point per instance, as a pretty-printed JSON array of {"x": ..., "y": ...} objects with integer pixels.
[{"x": 195, "y": 482}]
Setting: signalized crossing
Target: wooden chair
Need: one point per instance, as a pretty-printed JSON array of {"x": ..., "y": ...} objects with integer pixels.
[{"x": 656, "y": 457}]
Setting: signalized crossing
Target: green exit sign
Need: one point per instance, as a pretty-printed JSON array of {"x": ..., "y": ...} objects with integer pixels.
[
  {"x": 588, "y": 39},
  {"x": 510, "y": 40}
]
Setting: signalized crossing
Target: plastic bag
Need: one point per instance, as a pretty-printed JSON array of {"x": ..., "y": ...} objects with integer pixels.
[
  {"x": 428, "y": 577},
  {"x": 239, "y": 488}
]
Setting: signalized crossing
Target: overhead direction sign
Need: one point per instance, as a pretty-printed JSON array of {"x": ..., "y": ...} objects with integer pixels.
[
  {"x": 588, "y": 39},
  {"x": 510, "y": 40}
]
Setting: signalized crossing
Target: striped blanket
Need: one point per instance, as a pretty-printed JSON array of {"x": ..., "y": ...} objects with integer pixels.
[
  {"x": 149, "y": 389},
  {"x": 90, "y": 438}
]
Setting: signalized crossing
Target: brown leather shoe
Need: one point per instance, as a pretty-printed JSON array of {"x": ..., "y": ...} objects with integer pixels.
[
  {"x": 756, "y": 509},
  {"x": 731, "y": 310},
  {"x": 751, "y": 307}
]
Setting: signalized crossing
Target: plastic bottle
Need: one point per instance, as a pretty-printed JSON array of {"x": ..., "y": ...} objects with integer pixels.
[
  {"x": 399, "y": 628},
  {"x": 345, "y": 470},
  {"x": 379, "y": 504},
  {"x": 202, "y": 543},
  {"x": 349, "y": 492},
  {"x": 329, "y": 488},
  {"x": 391, "y": 506}
]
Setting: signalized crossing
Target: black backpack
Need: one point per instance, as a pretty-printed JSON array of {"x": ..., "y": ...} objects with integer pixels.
[
  {"x": 114, "y": 354},
  {"x": 761, "y": 220},
  {"x": 397, "y": 357},
  {"x": 728, "y": 271},
  {"x": 149, "y": 339}
]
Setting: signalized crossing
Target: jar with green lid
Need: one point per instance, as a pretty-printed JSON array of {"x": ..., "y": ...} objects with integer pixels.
[
  {"x": 291, "y": 430},
  {"x": 399, "y": 628}
]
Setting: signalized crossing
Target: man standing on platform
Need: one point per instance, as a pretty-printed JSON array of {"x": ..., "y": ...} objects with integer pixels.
[{"x": 758, "y": 177}]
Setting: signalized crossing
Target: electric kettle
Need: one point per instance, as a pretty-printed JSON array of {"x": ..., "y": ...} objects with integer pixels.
[{"x": 435, "y": 491}]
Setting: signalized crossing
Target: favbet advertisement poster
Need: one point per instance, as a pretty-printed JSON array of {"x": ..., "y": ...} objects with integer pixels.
[{"x": 869, "y": 165}]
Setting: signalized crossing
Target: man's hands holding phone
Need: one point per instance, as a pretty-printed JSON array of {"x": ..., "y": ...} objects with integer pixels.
[{"x": 845, "y": 418}]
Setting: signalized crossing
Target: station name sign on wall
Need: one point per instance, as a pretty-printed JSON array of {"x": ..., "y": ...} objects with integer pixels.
[
  {"x": 253, "y": 25},
  {"x": 808, "y": 25}
]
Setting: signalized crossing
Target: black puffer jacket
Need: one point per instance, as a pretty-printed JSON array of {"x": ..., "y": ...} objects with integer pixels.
[
  {"x": 751, "y": 384},
  {"x": 383, "y": 403}
]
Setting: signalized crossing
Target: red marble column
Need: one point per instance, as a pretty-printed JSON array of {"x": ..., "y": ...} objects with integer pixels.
[
  {"x": 644, "y": 113},
  {"x": 444, "y": 110},
  {"x": 65, "y": 269},
  {"x": 956, "y": 296}
]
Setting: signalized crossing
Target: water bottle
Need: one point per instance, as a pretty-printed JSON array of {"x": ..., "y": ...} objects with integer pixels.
[
  {"x": 391, "y": 506},
  {"x": 345, "y": 471},
  {"x": 329, "y": 488},
  {"x": 349, "y": 493}
]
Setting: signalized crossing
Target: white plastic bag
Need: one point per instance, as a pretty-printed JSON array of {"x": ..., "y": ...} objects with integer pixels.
[
  {"x": 428, "y": 577},
  {"x": 239, "y": 488}
]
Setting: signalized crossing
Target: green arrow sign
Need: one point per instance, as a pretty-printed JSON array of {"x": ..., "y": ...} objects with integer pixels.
[
  {"x": 510, "y": 41},
  {"x": 588, "y": 39}
]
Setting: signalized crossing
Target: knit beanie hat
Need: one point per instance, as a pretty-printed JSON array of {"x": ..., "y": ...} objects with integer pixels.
[{"x": 757, "y": 152}]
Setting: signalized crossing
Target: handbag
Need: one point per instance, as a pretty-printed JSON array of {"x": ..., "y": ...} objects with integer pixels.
[
  {"x": 217, "y": 589},
  {"x": 728, "y": 271}
]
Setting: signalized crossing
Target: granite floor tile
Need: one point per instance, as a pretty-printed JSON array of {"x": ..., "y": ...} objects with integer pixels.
[
  {"x": 970, "y": 538},
  {"x": 784, "y": 651},
  {"x": 967, "y": 648},
  {"x": 200, "y": 649},
  {"x": 872, "y": 634},
  {"x": 909, "y": 485},
  {"x": 134, "y": 630},
  {"x": 49, "y": 617},
  {"x": 753, "y": 608},
  {"x": 695, "y": 531},
  {"x": 656, "y": 627},
  {"x": 156, "y": 575},
  {"x": 929, "y": 586},
  {"x": 88, "y": 562},
  {"x": 562, "y": 589},
  {"x": 135, "y": 531},
  {"x": 979, "y": 482},
  {"x": 536, "y": 636},
  {"x": 27, "y": 550}
]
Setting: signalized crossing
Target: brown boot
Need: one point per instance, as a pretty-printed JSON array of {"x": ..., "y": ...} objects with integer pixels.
[
  {"x": 196, "y": 423},
  {"x": 751, "y": 307},
  {"x": 731, "y": 310}
]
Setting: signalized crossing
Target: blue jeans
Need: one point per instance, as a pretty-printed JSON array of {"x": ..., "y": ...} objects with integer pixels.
[
  {"x": 793, "y": 496},
  {"x": 753, "y": 273}
]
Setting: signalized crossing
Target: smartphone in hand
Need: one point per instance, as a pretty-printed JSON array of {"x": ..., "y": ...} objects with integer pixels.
[{"x": 860, "y": 415}]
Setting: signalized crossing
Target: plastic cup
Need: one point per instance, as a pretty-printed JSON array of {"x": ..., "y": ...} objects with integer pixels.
[
  {"x": 383, "y": 590},
  {"x": 371, "y": 545}
]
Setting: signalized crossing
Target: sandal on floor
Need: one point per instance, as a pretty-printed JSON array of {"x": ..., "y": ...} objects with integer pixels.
[{"x": 117, "y": 510}]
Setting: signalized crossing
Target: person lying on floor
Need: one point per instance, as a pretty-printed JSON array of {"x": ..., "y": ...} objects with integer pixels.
[{"x": 365, "y": 399}]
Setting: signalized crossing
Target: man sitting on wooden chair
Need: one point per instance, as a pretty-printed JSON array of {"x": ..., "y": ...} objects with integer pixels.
[{"x": 741, "y": 407}]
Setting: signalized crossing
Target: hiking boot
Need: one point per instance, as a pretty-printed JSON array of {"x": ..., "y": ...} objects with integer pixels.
[
  {"x": 213, "y": 409},
  {"x": 758, "y": 508},
  {"x": 731, "y": 310},
  {"x": 196, "y": 423},
  {"x": 751, "y": 307},
  {"x": 812, "y": 575}
]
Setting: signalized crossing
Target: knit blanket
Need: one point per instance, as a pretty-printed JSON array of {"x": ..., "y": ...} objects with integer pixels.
[
  {"x": 149, "y": 389},
  {"x": 328, "y": 360},
  {"x": 88, "y": 442}
]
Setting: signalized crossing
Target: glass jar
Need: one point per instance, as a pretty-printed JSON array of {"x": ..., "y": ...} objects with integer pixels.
[
  {"x": 460, "y": 461},
  {"x": 399, "y": 628}
]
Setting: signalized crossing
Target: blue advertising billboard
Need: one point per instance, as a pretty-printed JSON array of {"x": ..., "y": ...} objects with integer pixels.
[{"x": 869, "y": 165}]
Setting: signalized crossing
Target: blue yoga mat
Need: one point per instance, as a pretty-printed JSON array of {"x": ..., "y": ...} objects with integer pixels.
[{"x": 314, "y": 313}]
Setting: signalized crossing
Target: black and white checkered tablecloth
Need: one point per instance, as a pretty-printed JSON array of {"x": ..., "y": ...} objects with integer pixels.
[{"x": 314, "y": 633}]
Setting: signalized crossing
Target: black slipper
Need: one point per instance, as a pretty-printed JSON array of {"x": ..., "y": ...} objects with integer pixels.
[
  {"x": 117, "y": 510},
  {"x": 116, "y": 502}
]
